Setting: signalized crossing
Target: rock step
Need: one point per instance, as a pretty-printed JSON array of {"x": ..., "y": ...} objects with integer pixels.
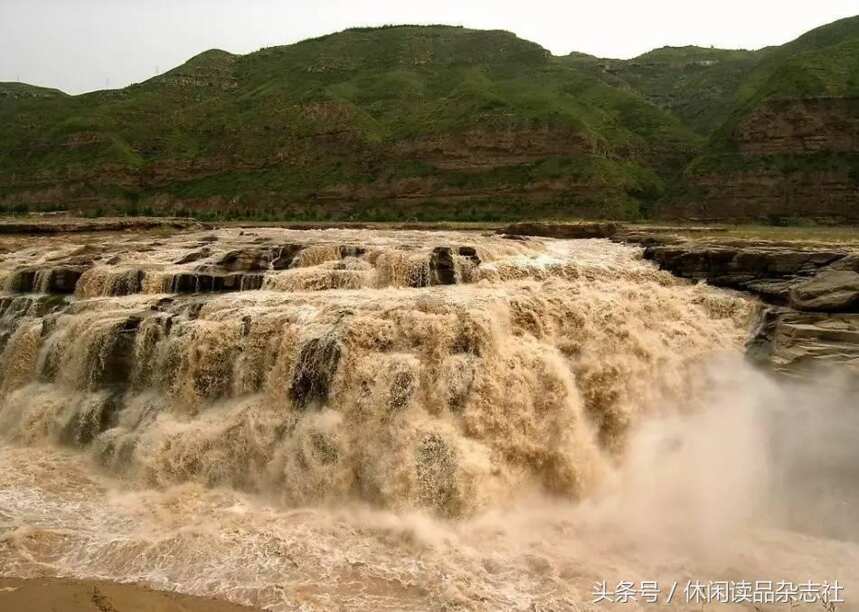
[
  {"x": 771, "y": 273},
  {"x": 561, "y": 230},
  {"x": 236, "y": 270}
]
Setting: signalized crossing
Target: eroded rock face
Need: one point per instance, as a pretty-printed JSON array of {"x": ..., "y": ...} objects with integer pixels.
[
  {"x": 769, "y": 272},
  {"x": 801, "y": 343},
  {"x": 815, "y": 320},
  {"x": 817, "y": 137},
  {"x": 828, "y": 291},
  {"x": 800, "y": 125},
  {"x": 562, "y": 230}
]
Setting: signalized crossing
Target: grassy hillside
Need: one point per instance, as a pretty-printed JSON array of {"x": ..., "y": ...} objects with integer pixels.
[
  {"x": 434, "y": 118},
  {"x": 432, "y": 122},
  {"x": 817, "y": 54},
  {"x": 21, "y": 90},
  {"x": 789, "y": 148},
  {"x": 696, "y": 84}
]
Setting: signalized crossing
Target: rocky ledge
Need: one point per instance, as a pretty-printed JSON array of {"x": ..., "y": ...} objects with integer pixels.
[
  {"x": 232, "y": 260},
  {"x": 811, "y": 294},
  {"x": 52, "y": 224},
  {"x": 561, "y": 230}
]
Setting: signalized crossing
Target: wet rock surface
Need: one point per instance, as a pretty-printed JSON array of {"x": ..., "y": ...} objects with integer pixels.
[
  {"x": 769, "y": 272},
  {"x": 317, "y": 364},
  {"x": 828, "y": 291},
  {"x": 804, "y": 343},
  {"x": 813, "y": 294},
  {"x": 562, "y": 230},
  {"x": 230, "y": 260}
]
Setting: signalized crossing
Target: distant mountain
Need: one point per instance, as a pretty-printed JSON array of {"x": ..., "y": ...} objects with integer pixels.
[{"x": 439, "y": 122}]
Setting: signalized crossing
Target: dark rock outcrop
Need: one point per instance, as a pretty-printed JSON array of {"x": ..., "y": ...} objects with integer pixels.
[
  {"x": 21, "y": 281},
  {"x": 815, "y": 292},
  {"x": 561, "y": 230},
  {"x": 205, "y": 282},
  {"x": 247, "y": 260},
  {"x": 769, "y": 272},
  {"x": 317, "y": 363},
  {"x": 113, "y": 366},
  {"x": 442, "y": 267},
  {"x": 470, "y": 253},
  {"x": 285, "y": 255},
  {"x": 59, "y": 280},
  {"x": 351, "y": 251}
]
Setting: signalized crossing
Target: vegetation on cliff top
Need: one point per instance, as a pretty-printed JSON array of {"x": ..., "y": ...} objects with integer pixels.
[{"x": 404, "y": 122}]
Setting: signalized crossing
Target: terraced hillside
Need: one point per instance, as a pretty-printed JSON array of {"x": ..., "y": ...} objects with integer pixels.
[
  {"x": 790, "y": 148},
  {"x": 439, "y": 122}
]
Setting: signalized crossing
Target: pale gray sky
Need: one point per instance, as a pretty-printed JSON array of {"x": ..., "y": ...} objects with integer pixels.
[{"x": 81, "y": 45}]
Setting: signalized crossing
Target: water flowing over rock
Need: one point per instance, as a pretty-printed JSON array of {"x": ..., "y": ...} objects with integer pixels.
[
  {"x": 814, "y": 290},
  {"x": 444, "y": 371},
  {"x": 239, "y": 261}
]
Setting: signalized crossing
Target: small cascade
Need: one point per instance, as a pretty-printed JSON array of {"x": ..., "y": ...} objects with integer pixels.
[{"x": 233, "y": 262}]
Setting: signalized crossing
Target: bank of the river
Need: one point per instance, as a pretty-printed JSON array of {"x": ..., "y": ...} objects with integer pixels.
[{"x": 68, "y": 595}]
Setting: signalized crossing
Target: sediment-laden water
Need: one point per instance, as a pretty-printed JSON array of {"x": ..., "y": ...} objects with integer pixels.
[{"x": 392, "y": 420}]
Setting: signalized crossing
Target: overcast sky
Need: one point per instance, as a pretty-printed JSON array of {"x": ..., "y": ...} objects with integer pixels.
[{"x": 81, "y": 45}]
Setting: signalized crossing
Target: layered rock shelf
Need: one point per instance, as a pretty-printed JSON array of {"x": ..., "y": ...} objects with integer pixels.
[
  {"x": 49, "y": 224},
  {"x": 811, "y": 293},
  {"x": 235, "y": 260}
]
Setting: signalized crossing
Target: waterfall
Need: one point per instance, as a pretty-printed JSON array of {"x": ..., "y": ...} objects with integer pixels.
[
  {"x": 406, "y": 370},
  {"x": 398, "y": 420}
]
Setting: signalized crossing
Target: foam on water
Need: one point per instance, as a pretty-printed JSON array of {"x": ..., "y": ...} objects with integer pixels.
[{"x": 349, "y": 436}]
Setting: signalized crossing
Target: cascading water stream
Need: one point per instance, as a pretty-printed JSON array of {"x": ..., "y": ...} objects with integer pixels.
[{"x": 246, "y": 387}]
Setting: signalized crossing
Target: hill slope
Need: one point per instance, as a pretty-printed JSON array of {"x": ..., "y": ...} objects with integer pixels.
[
  {"x": 790, "y": 147},
  {"x": 696, "y": 84},
  {"x": 397, "y": 122},
  {"x": 439, "y": 122}
]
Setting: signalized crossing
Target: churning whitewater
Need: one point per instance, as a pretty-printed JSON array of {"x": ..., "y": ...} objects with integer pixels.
[{"x": 380, "y": 419}]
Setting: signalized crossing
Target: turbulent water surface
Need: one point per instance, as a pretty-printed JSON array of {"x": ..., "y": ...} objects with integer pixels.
[{"x": 399, "y": 420}]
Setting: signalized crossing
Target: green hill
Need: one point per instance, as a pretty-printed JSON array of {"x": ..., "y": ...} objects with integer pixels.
[
  {"x": 397, "y": 122},
  {"x": 20, "y": 90},
  {"x": 789, "y": 148},
  {"x": 696, "y": 84},
  {"x": 433, "y": 122},
  {"x": 817, "y": 54}
]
